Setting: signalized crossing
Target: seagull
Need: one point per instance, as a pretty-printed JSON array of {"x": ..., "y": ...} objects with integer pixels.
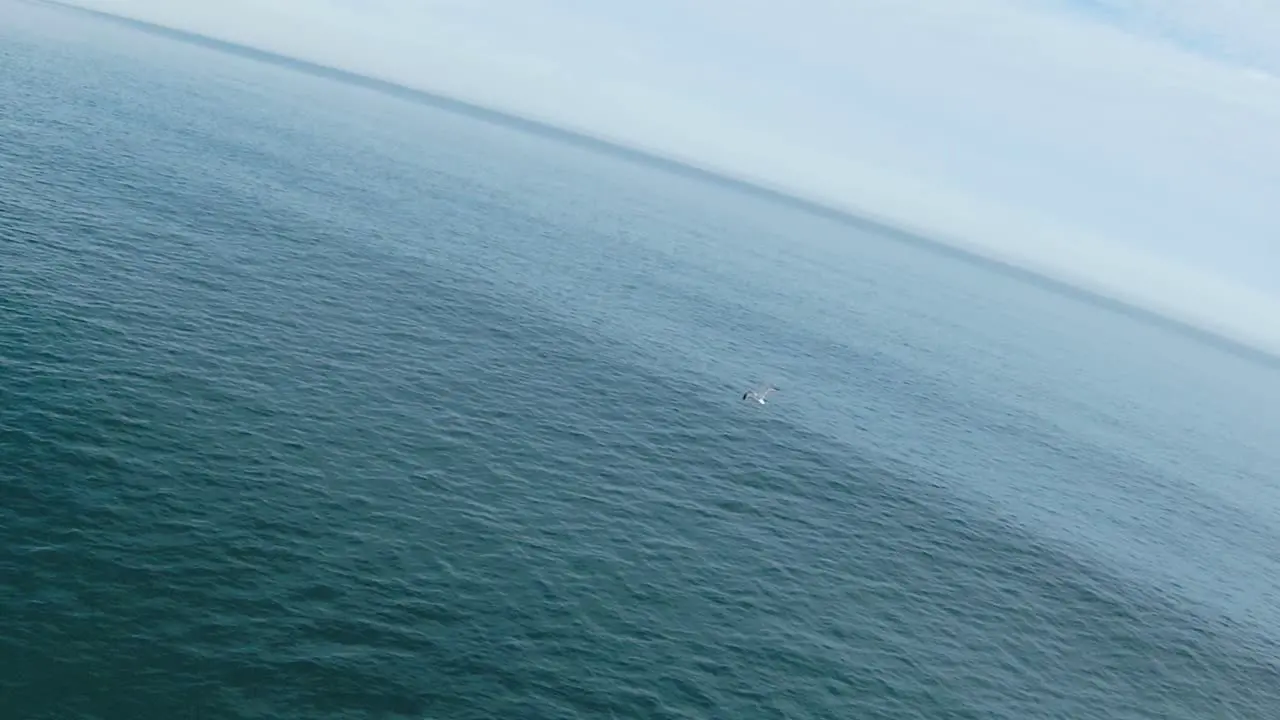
[{"x": 759, "y": 395}]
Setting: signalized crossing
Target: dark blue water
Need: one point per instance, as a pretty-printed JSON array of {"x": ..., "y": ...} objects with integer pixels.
[{"x": 318, "y": 403}]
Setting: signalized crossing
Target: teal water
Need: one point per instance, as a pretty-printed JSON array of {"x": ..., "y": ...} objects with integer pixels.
[{"x": 320, "y": 403}]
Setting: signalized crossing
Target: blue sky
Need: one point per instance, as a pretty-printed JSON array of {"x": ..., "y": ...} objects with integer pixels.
[{"x": 1131, "y": 146}]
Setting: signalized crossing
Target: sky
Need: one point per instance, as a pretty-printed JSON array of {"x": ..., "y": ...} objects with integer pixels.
[{"x": 1128, "y": 146}]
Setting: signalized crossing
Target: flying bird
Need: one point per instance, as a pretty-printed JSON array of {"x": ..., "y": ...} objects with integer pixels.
[{"x": 759, "y": 394}]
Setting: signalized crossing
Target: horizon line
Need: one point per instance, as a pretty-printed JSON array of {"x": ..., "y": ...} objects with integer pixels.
[{"x": 862, "y": 219}]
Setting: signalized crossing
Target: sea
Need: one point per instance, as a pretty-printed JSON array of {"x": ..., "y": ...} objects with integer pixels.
[{"x": 322, "y": 401}]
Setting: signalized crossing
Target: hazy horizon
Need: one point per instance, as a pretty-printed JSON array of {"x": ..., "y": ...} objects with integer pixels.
[{"x": 1105, "y": 143}]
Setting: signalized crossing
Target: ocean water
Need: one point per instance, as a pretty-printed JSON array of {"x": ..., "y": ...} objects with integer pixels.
[{"x": 321, "y": 403}]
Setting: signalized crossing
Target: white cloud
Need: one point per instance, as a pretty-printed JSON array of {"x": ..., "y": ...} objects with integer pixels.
[
  {"x": 1240, "y": 31},
  {"x": 1104, "y": 142}
]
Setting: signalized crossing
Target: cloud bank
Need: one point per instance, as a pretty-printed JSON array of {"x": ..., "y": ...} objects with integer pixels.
[{"x": 1129, "y": 146}]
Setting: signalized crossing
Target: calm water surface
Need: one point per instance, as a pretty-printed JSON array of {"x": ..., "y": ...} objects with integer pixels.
[{"x": 318, "y": 403}]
